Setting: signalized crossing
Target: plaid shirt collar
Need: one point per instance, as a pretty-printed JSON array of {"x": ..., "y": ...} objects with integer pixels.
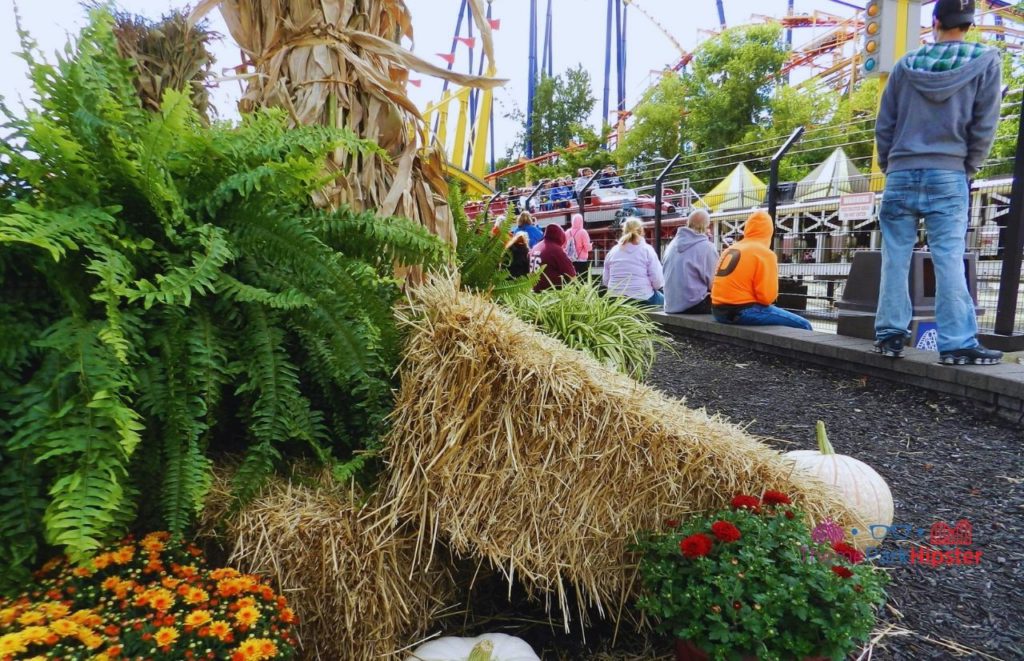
[{"x": 944, "y": 56}]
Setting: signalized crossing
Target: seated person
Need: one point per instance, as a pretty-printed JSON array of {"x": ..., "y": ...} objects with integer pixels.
[
  {"x": 533, "y": 233},
  {"x": 610, "y": 178},
  {"x": 550, "y": 252},
  {"x": 689, "y": 266},
  {"x": 583, "y": 175},
  {"x": 632, "y": 268},
  {"x": 747, "y": 280}
]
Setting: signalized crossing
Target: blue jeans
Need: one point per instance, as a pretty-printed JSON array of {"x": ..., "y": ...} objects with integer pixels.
[
  {"x": 765, "y": 315},
  {"x": 656, "y": 299},
  {"x": 940, "y": 197}
]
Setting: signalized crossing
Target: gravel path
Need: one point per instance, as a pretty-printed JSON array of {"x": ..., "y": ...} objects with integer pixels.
[{"x": 943, "y": 460}]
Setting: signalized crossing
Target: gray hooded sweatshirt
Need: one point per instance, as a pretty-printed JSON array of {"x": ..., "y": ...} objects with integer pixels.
[
  {"x": 689, "y": 267},
  {"x": 939, "y": 119}
]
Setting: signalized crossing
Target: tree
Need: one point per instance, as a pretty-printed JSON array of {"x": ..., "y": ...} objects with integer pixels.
[
  {"x": 730, "y": 84},
  {"x": 561, "y": 106},
  {"x": 659, "y": 123}
]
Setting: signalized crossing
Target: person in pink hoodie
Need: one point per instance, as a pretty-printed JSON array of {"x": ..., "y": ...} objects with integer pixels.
[
  {"x": 578, "y": 245},
  {"x": 632, "y": 268}
]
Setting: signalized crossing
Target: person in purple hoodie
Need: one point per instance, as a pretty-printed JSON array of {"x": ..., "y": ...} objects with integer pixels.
[
  {"x": 632, "y": 268},
  {"x": 689, "y": 266},
  {"x": 558, "y": 269}
]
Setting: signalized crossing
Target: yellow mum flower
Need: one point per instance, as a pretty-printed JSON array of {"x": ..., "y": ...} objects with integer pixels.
[
  {"x": 64, "y": 627},
  {"x": 8, "y": 615},
  {"x": 223, "y": 572},
  {"x": 247, "y": 616},
  {"x": 268, "y": 648},
  {"x": 32, "y": 635},
  {"x": 198, "y": 618},
  {"x": 30, "y": 618},
  {"x": 166, "y": 636},
  {"x": 54, "y": 610},
  {"x": 11, "y": 644},
  {"x": 250, "y": 650},
  {"x": 90, "y": 639},
  {"x": 220, "y": 629},
  {"x": 197, "y": 596},
  {"x": 86, "y": 618}
]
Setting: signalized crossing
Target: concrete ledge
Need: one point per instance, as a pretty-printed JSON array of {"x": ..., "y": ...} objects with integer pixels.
[{"x": 997, "y": 388}]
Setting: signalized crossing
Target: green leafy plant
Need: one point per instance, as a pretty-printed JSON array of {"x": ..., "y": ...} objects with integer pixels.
[
  {"x": 751, "y": 580},
  {"x": 481, "y": 254},
  {"x": 613, "y": 329},
  {"x": 168, "y": 291}
]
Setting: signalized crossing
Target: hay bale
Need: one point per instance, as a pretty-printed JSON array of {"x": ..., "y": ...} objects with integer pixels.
[
  {"x": 354, "y": 582},
  {"x": 508, "y": 446}
]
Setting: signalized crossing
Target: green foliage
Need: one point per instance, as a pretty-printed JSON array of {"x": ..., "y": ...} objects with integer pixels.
[
  {"x": 561, "y": 106},
  {"x": 772, "y": 593},
  {"x": 613, "y": 329},
  {"x": 481, "y": 254},
  {"x": 168, "y": 291},
  {"x": 659, "y": 124}
]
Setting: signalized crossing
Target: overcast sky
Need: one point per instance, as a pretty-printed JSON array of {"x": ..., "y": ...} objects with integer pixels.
[{"x": 579, "y": 29}]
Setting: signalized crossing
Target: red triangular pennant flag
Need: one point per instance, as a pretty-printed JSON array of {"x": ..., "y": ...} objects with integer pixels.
[
  {"x": 469, "y": 41},
  {"x": 447, "y": 57},
  {"x": 495, "y": 23},
  {"x": 415, "y": 81}
]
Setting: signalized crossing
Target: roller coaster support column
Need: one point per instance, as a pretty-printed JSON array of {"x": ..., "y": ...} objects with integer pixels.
[
  {"x": 773, "y": 179},
  {"x": 1012, "y": 244},
  {"x": 532, "y": 82},
  {"x": 607, "y": 65},
  {"x": 659, "y": 186}
]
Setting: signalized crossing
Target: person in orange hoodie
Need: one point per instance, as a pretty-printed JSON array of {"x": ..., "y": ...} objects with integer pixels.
[{"x": 746, "y": 281}]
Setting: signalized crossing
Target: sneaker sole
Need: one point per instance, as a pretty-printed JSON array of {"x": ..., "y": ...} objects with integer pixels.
[
  {"x": 962, "y": 360},
  {"x": 888, "y": 353}
]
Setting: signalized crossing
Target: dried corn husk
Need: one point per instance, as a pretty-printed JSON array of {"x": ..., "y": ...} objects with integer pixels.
[
  {"x": 338, "y": 63},
  {"x": 510, "y": 447}
]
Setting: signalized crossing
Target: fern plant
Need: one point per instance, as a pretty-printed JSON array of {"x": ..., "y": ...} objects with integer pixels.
[
  {"x": 481, "y": 254},
  {"x": 168, "y": 291}
]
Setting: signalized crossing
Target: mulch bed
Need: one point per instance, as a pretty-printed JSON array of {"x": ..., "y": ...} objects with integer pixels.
[{"x": 943, "y": 459}]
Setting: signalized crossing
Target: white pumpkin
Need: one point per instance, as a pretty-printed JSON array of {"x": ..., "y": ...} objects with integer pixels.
[
  {"x": 863, "y": 490},
  {"x": 488, "y": 647}
]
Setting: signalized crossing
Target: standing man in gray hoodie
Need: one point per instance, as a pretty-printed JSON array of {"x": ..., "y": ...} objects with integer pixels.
[
  {"x": 935, "y": 127},
  {"x": 689, "y": 266}
]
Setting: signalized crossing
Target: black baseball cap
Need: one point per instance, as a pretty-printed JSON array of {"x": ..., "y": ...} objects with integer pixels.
[{"x": 952, "y": 13}]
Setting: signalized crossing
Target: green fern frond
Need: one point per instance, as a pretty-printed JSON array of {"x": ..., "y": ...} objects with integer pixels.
[
  {"x": 57, "y": 232},
  {"x": 237, "y": 290},
  {"x": 180, "y": 283}
]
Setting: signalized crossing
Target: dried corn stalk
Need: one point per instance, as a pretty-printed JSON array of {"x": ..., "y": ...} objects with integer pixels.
[{"x": 339, "y": 63}]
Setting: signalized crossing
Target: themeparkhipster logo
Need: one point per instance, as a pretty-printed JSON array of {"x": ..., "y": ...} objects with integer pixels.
[{"x": 941, "y": 534}]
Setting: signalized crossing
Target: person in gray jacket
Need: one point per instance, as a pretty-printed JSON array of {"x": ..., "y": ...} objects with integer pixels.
[
  {"x": 935, "y": 127},
  {"x": 689, "y": 266}
]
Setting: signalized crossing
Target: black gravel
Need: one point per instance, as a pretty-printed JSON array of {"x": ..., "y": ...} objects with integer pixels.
[{"x": 943, "y": 460}]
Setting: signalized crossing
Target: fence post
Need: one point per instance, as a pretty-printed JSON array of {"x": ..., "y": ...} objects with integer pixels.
[
  {"x": 581, "y": 196},
  {"x": 487, "y": 207},
  {"x": 1013, "y": 243},
  {"x": 773, "y": 179},
  {"x": 529, "y": 198},
  {"x": 658, "y": 186}
]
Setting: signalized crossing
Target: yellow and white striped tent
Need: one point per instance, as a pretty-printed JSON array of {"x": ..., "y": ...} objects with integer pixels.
[
  {"x": 741, "y": 189},
  {"x": 835, "y": 176}
]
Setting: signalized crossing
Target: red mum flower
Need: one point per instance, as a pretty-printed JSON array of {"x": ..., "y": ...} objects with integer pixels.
[
  {"x": 696, "y": 546},
  {"x": 775, "y": 498},
  {"x": 848, "y": 551},
  {"x": 745, "y": 502},
  {"x": 671, "y": 523},
  {"x": 790, "y": 515},
  {"x": 725, "y": 531},
  {"x": 841, "y": 571}
]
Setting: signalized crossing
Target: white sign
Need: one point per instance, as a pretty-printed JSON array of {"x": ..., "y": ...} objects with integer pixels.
[{"x": 856, "y": 206}]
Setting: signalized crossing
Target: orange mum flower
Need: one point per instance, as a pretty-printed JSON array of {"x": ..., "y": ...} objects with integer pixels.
[
  {"x": 90, "y": 639},
  {"x": 223, "y": 572},
  {"x": 159, "y": 598},
  {"x": 124, "y": 554},
  {"x": 166, "y": 636},
  {"x": 287, "y": 615},
  {"x": 81, "y": 571},
  {"x": 228, "y": 587},
  {"x": 250, "y": 650},
  {"x": 54, "y": 609},
  {"x": 247, "y": 616},
  {"x": 268, "y": 648}
]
